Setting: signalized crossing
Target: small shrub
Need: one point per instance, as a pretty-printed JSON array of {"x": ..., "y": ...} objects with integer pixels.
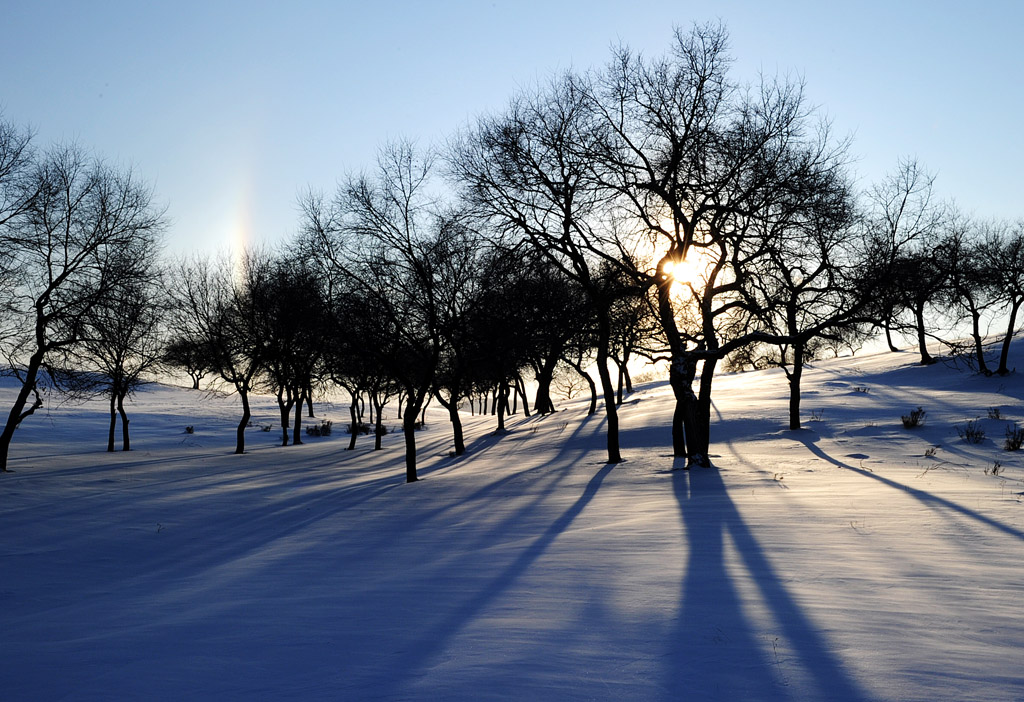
[
  {"x": 324, "y": 428},
  {"x": 266, "y": 427},
  {"x": 971, "y": 432},
  {"x": 648, "y": 376},
  {"x": 861, "y": 389},
  {"x": 994, "y": 470},
  {"x": 189, "y": 429},
  {"x": 816, "y": 415},
  {"x": 993, "y": 413},
  {"x": 1014, "y": 438},
  {"x": 914, "y": 419},
  {"x": 930, "y": 453}
]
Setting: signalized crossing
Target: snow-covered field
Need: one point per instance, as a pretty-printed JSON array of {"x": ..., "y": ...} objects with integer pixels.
[{"x": 846, "y": 561}]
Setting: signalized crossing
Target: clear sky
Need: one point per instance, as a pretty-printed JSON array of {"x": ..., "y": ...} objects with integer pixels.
[{"x": 230, "y": 109}]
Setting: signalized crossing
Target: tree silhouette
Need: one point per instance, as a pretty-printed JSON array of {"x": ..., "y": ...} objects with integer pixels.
[{"x": 66, "y": 246}]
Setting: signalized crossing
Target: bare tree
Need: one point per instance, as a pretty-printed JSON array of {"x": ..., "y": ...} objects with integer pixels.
[
  {"x": 1004, "y": 251},
  {"x": 529, "y": 172},
  {"x": 461, "y": 263},
  {"x": 295, "y": 325},
  {"x": 905, "y": 223},
  {"x": 699, "y": 162},
  {"x": 221, "y": 309},
  {"x": 123, "y": 338},
  {"x": 17, "y": 187},
  {"x": 384, "y": 235},
  {"x": 18, "y": 191},
  {"x": 804, "y": 289},
  {"x": 64, "y": 249},
  {"x": 546, "y": 310},
  {"x": 189, "y": 356},
  {"x": 966, "y": 254}
]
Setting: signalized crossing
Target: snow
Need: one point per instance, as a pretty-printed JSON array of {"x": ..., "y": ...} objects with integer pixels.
[{"x": 844, "y": 561}]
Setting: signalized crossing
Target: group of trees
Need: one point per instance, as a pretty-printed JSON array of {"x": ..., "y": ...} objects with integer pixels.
[
  {"x": 943, "y": 269},
  {"x": 654, "y": 208},
  {"x": 79, "y": 311},
  {"x": 384, "y": 294}
]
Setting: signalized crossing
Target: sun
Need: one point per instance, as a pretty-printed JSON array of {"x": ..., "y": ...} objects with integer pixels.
[{"x": 692, "y": 270}]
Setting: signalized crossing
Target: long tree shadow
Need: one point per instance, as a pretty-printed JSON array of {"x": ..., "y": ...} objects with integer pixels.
[
  {"x": 926, "y": 498},
  {"x": 417, "y": 655},
  {"x": 717, "y": 652}
]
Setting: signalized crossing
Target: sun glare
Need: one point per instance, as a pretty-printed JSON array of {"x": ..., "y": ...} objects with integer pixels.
[{"x": 692, "y": 270}]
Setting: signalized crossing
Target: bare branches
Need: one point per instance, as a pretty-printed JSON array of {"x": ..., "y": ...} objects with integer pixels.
[{"x": 74, "y": 245}]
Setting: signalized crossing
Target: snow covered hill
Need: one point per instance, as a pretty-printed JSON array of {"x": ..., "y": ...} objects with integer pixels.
[{"x": 850, "y": 560}]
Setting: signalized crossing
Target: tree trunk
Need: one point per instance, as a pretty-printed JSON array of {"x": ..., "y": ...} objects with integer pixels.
[
  {"x": 113, "y": 421},
  {"x": 452, "y": 405},
  {"x": 246, "y": 415},
  {"x": 700, "y": 437},
  {"x": 604, "y": 335},
  {"x": 681, "y": 376},
  {"x": 578, "y": 367},
  {"x": 521, "y": 391},
  {"x": 501, "y": 402},
  {"x": 125, "y": 439},
  {"x": 412, "y": 410},
  {"x": 284, "y": 404},
  {"x": 423, "y": 410},
  {"x": 888, "y": 335},
  {"x": 1011, "y": 327},
  {"x": 922, "y": 342},
  {"x": 353, "y": 411},
  {"x": 309, "y": 402},
  {"x": 979, "y": 346},
  {"x": 619, "y": 381},
  {"x": 453, "y": 414},
  {"x": 681, "y": 373},
  {"x": 18, "y": 411},
  {"x": 794, "y": 386},
  {"x": 378, "y": 430},
  {"x": 542, "y": 404},
  {"x": 297, "y": 427},
  {"x": 624, "y": 368},
  {"x": 195, "y": 382}
]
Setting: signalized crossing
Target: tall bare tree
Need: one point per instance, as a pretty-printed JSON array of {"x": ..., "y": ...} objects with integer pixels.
[
  {"x": 966, "y": 254},
  {"x": 221, "y": 308},
  {"x": 528, "y": 170},
  {"x": 698, "y": 161},
  {"x": 385, "y": 236},
  {"x": 123, "y": 339},
  {"x": 1004, "y": 251},
  {"x": 295, "y": 325},
  {"x": 905, "y": 221}
]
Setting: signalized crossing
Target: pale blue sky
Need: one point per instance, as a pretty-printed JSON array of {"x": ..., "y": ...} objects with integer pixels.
[{"x": 231, "y": 108}]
